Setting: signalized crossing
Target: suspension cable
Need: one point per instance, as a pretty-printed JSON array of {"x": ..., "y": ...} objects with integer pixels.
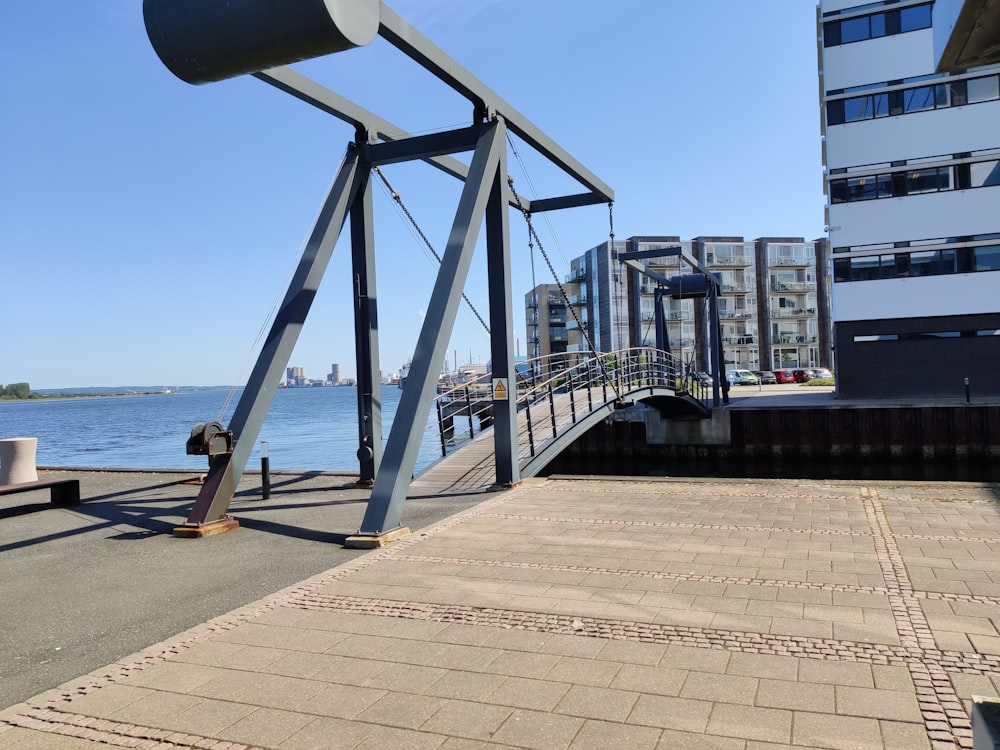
[
  {"x": 562, "y": 290},
  {"x": 399, "y": 201}
]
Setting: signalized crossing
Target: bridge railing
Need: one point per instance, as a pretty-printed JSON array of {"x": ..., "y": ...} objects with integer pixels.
[{"x": 555, "y": 391}]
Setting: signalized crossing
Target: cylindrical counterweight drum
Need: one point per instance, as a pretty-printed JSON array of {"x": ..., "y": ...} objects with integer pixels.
[{"x": 209, "y": 40}]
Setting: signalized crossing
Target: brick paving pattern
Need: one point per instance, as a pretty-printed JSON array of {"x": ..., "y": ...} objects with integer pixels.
[{"x": 744, "y": 614}]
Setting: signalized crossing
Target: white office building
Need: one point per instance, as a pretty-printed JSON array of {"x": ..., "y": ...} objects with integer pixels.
[{"x": 912, "y": 155}]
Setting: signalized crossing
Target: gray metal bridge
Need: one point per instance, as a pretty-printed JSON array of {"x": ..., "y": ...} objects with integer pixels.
[
  {"x": 203, "y": 42},
  {"x": 556, "y": 403}
]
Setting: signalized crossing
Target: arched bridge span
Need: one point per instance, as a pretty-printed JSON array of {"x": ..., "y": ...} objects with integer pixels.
[{"x": 556, "y": 404}]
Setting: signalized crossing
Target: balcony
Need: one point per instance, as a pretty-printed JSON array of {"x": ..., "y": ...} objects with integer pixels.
[
  {"x": 576, "y": 274},
  {"x": 736, "y": 314},
  {"x": 738, "y": 340},
  {"x": 731, "y": 261},
  {"x": 794, "y": 340},
  {"x": 786, "y": 312},
  {"x": 558, "y": 334},
  {"x": 793, "y": 286},
  {"x": 802, "y": 262},
  {"x": 738, "y": 288}
]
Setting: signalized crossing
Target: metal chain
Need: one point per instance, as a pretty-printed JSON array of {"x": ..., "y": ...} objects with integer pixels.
[
  {"x": 399, "y": 201},
  {"x": 533, "y": 235}
]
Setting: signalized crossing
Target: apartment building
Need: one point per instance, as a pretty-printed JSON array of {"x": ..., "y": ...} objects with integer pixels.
[
  {"x": 773, "y": 306},
  {"x": 911, "y": 144}
]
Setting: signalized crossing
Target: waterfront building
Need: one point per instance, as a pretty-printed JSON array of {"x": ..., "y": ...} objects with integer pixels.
[
  {"x": 773, "y": 307},
  {"x": 334, "y": 377},
  {"x": 911, "y": 147}
]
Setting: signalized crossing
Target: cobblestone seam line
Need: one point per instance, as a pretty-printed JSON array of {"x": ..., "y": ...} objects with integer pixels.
[
  {"x": 115, "y": 733},
  {"x": 944, "y": 717},
  {"x": 672, "y": 525},
  {"x": 660, "y": 575},
  {"x": 596, "y": 627}
]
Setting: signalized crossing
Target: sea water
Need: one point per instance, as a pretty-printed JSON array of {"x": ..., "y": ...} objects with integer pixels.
[{"x": 306, "y": 429}]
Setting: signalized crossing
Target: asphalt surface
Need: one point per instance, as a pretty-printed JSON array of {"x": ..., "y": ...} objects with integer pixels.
[{"x": 82, "y": 587}]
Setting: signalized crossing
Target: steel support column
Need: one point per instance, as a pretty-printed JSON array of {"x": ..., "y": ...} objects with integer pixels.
[
  {"x": 369, "y": 387},
  {"x": 502, "y": 329},
  {"x": 225, "y": 471},
  {"x": 392, "y": 481}
]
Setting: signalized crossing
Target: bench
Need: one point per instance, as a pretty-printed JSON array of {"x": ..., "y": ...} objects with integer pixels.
[{"x": 62, "y": 491}]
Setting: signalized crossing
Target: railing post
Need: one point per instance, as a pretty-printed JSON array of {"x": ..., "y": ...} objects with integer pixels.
[
  {"x": 444, "y": 443},
  {"x": 468, "y": 408},
  {"x": 531, "y": 435},
  {"x": 572, "y": 399},
  {"x": 552, "y": 410},
  {"x": 590, "y": 389}
]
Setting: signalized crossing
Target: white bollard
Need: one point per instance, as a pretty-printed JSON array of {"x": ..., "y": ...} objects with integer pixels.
[{"x": 17, "y": 460}]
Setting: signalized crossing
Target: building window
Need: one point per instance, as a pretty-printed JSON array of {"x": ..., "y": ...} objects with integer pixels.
[
  {"x": 876, "y": 25},
  {"x": 917, "y": 99},
  {"x": 918, "y": 263},
  {"x": 916, "y": 181}
]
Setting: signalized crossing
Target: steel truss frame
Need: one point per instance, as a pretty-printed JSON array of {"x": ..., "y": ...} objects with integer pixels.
[{"x": 485, "y": 197}]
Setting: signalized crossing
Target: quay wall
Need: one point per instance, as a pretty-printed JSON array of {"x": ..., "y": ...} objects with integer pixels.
[{"x": 950, "y": 442}]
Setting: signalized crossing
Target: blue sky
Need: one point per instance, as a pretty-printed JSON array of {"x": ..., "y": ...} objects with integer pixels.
[{"x": 148, "y": 226}]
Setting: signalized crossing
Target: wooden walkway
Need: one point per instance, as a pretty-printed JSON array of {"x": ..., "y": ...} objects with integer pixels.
[{"x": 473, "y": 466}]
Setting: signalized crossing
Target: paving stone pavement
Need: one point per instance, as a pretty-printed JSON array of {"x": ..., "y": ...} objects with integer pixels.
[{"x": 594, "y": 613}]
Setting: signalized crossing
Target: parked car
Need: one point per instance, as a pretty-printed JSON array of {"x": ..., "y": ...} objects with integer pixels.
[
  {"x": 766, "y": 377},
  {"x": 804, "y": 375},
  {"x": 742, "y": 377},
  {"x": 822, "y": 372},
  {"x": 704, "y": 378},
  {"x": 784, "y": 376}
]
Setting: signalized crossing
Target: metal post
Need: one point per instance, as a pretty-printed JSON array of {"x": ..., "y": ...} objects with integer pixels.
[
  {"x": 968, "y": 398},
  {"x": 572, "y": 399},
  {"x": 399, "y": 459},
  {"x": 366, "y": 335},
  {"x": 444, "y": 443},
  {"x": 508, "y": 470},
  {"x": 531, "y": 434},
  {"x": 468, "y": 409},
  {"x": 265, "y": 471},
  {"x": 552, "y": 409}
]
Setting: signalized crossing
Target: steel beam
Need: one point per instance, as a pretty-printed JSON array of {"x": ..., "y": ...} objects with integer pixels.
[
  {"x": 369, "y": 385},
  {"x": 428, "y": 55},
  {"x": 502, "y": 329},
  {"x": 225, "y": 470},
  {"x": 399, "y": 460},
  {"x": 306, "y": 90},
  {"x": 422, "y": 146}
]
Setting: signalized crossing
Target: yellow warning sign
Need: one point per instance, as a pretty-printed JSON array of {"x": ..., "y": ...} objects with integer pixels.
[{"x": 499, "y": 389}]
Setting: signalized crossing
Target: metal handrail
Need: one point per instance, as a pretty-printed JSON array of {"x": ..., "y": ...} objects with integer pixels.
[{"x": 556, "y": 391}]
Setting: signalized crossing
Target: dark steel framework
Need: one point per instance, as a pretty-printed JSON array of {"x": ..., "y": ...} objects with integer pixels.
[
  {"x": 485, "y": 197},
  {"x": 706, "y": 285}
]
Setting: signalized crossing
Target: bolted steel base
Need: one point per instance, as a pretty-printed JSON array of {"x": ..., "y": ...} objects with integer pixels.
[
  {"x": 374, "y": 541},
  {"x": 198, "y": 530}
]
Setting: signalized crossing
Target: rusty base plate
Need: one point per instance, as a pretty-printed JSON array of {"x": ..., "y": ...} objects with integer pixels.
[{"x": 194, "y": 531}]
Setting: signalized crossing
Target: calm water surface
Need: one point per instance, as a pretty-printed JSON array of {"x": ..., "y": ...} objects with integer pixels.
[{"x": 306, "y": 429}]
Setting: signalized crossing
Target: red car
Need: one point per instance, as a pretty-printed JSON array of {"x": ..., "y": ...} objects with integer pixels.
[{"x": 784, "y": 376}]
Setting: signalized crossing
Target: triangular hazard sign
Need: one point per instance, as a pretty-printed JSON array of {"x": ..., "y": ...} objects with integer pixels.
[{"x": 500, "y": 391}]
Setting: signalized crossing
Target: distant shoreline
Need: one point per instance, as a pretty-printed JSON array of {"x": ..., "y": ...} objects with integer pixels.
[{"x": 67, "y": 396}]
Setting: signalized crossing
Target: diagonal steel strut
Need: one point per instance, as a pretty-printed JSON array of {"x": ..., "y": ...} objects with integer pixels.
[
  {"x": 400, "y": 457},
  {"x": 225, "y": 470}
]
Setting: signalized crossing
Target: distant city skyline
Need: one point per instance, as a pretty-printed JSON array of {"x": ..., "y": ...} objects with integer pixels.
[{"x": 148, "y": 226}]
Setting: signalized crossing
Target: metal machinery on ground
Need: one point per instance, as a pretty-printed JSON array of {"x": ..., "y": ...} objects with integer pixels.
[{"x": 202, "y": 41}]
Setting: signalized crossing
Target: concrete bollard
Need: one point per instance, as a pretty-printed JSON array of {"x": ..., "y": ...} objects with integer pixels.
[{"x": 17, "y": 460}]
